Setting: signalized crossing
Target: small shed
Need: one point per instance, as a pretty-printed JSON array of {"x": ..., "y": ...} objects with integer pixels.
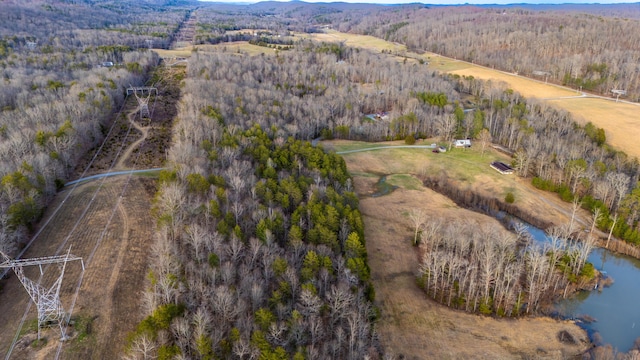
[
  {"x": 501, "y": 167},
  {"x": 462, "y": 143}
]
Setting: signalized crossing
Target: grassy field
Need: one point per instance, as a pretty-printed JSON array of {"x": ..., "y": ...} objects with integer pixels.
[
  {"x": 621, "y": 121},
  {"x": 526, "y": 87},
  {"x": 182, "y": 52},
  {"x": 355, "y": 40},
  {"x": 238, "y": 47},
  {"x": 412, "y": 325}
]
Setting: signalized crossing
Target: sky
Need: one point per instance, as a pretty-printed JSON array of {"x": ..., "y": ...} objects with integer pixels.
[{"x": 456, "y": 2}]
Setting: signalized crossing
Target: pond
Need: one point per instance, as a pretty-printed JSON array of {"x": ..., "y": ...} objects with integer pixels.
[
  {"x": 615, "y": 309},
  {"x": 383, "y": 187}
]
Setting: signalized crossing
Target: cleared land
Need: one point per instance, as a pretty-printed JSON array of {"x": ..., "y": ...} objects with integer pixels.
[
  {"x": 412, "y": 324},
  {"x": 239, "y": 47},
  {"x": 361, "y": 41},
  {"x": 115, "y": 255},
  {"x": 621, "y": 121},
  {"x": 107, "y": 223},
  {"x": 526, "y": 87},
  {"x": 466, "y": 166}
]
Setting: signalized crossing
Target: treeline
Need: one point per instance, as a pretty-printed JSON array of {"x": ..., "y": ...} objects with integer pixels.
[
  {"x": 481, "y": 269},
  {"x": 74, "y": 26},
  {"x": 319, "y": 87},
  {"x": 259, "y": 250},
  {"x": 570, "y": 47},
  {"x": 490, "y": 271}
]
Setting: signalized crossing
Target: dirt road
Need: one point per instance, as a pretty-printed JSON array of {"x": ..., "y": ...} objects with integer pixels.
[
  {"x": 107, "y": 222},
  {"x": 115, "y": 261}
]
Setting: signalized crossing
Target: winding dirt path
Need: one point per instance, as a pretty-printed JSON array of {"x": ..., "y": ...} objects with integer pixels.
[{"x": 144, "y": 134}]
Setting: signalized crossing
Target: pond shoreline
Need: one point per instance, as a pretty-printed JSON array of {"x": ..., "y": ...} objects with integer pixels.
[{"x": 491, "y": 206}]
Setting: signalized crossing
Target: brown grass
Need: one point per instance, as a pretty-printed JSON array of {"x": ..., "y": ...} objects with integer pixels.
[
  {"x": 113, "y": 281},
  {"x": 526, "y": 87},
  {"x": 620, "y": 120},
  {"x": 411, "y": 324},
  {"x": 355, "y": 40},
  {"x": 238, "y": 47},
  {"x": 181, "y": 52}
]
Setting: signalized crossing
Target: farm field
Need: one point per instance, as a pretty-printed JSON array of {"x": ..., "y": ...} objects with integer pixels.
[
  {"x": 234, "y": 47},
  {"x": 621, "y": 121},
  {"x": 527, "y": 87},
  {"x": 355, "y": 40},
  {"x": 413, "y": 325}
]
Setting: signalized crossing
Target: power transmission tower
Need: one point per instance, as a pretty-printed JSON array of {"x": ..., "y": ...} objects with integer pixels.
[
  {"x": 47, "y": 300},
  {"x": 143, "y": 98}
]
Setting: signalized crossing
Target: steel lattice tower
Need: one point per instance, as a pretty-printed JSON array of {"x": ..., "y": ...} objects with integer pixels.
[
  {"x": 143, "y": 101},
  {"x": 47, "y": 300}
]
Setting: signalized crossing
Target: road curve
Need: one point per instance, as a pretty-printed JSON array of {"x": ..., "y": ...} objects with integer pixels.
[{"x": 386, "y": 147}]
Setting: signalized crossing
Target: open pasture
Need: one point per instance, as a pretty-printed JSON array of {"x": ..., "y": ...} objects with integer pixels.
[
  {"x": 620, "y": 120},
  {"x": 411, "y": 324},
  {"x": 180, "y": 52},
  {"x": 355, "y": 40},
  {"x": 526, "y": 87},
  {"x": 239, "y": 47}
]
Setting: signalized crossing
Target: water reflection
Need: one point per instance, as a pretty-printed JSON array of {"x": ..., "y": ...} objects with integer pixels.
[
  {"x": 383, "y": 187},
  {"x": 613, "y": 311}
]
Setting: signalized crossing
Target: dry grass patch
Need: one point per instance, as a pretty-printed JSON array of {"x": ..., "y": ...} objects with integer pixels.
[
  {"x": 355, "y": 40},
  {"x": 620, "y": 120},
  {"x": 239, "y": 47},
  {"x": 181, "y": 52},
  {"x": 412, "y": 324},
  {"x": 526, "y": 87},
  {"x": 444, "y": 64}
]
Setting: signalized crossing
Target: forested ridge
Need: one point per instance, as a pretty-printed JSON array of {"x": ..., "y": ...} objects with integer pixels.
[
  {"x": 592, "y": 52},
  {"x": 260, "y": 251},
  {"x": 57, "y": 99}
]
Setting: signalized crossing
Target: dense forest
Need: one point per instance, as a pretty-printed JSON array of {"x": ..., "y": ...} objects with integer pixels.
[
  {"x": 259, "y": 251},
  {"x": 56, "y": 99}
]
